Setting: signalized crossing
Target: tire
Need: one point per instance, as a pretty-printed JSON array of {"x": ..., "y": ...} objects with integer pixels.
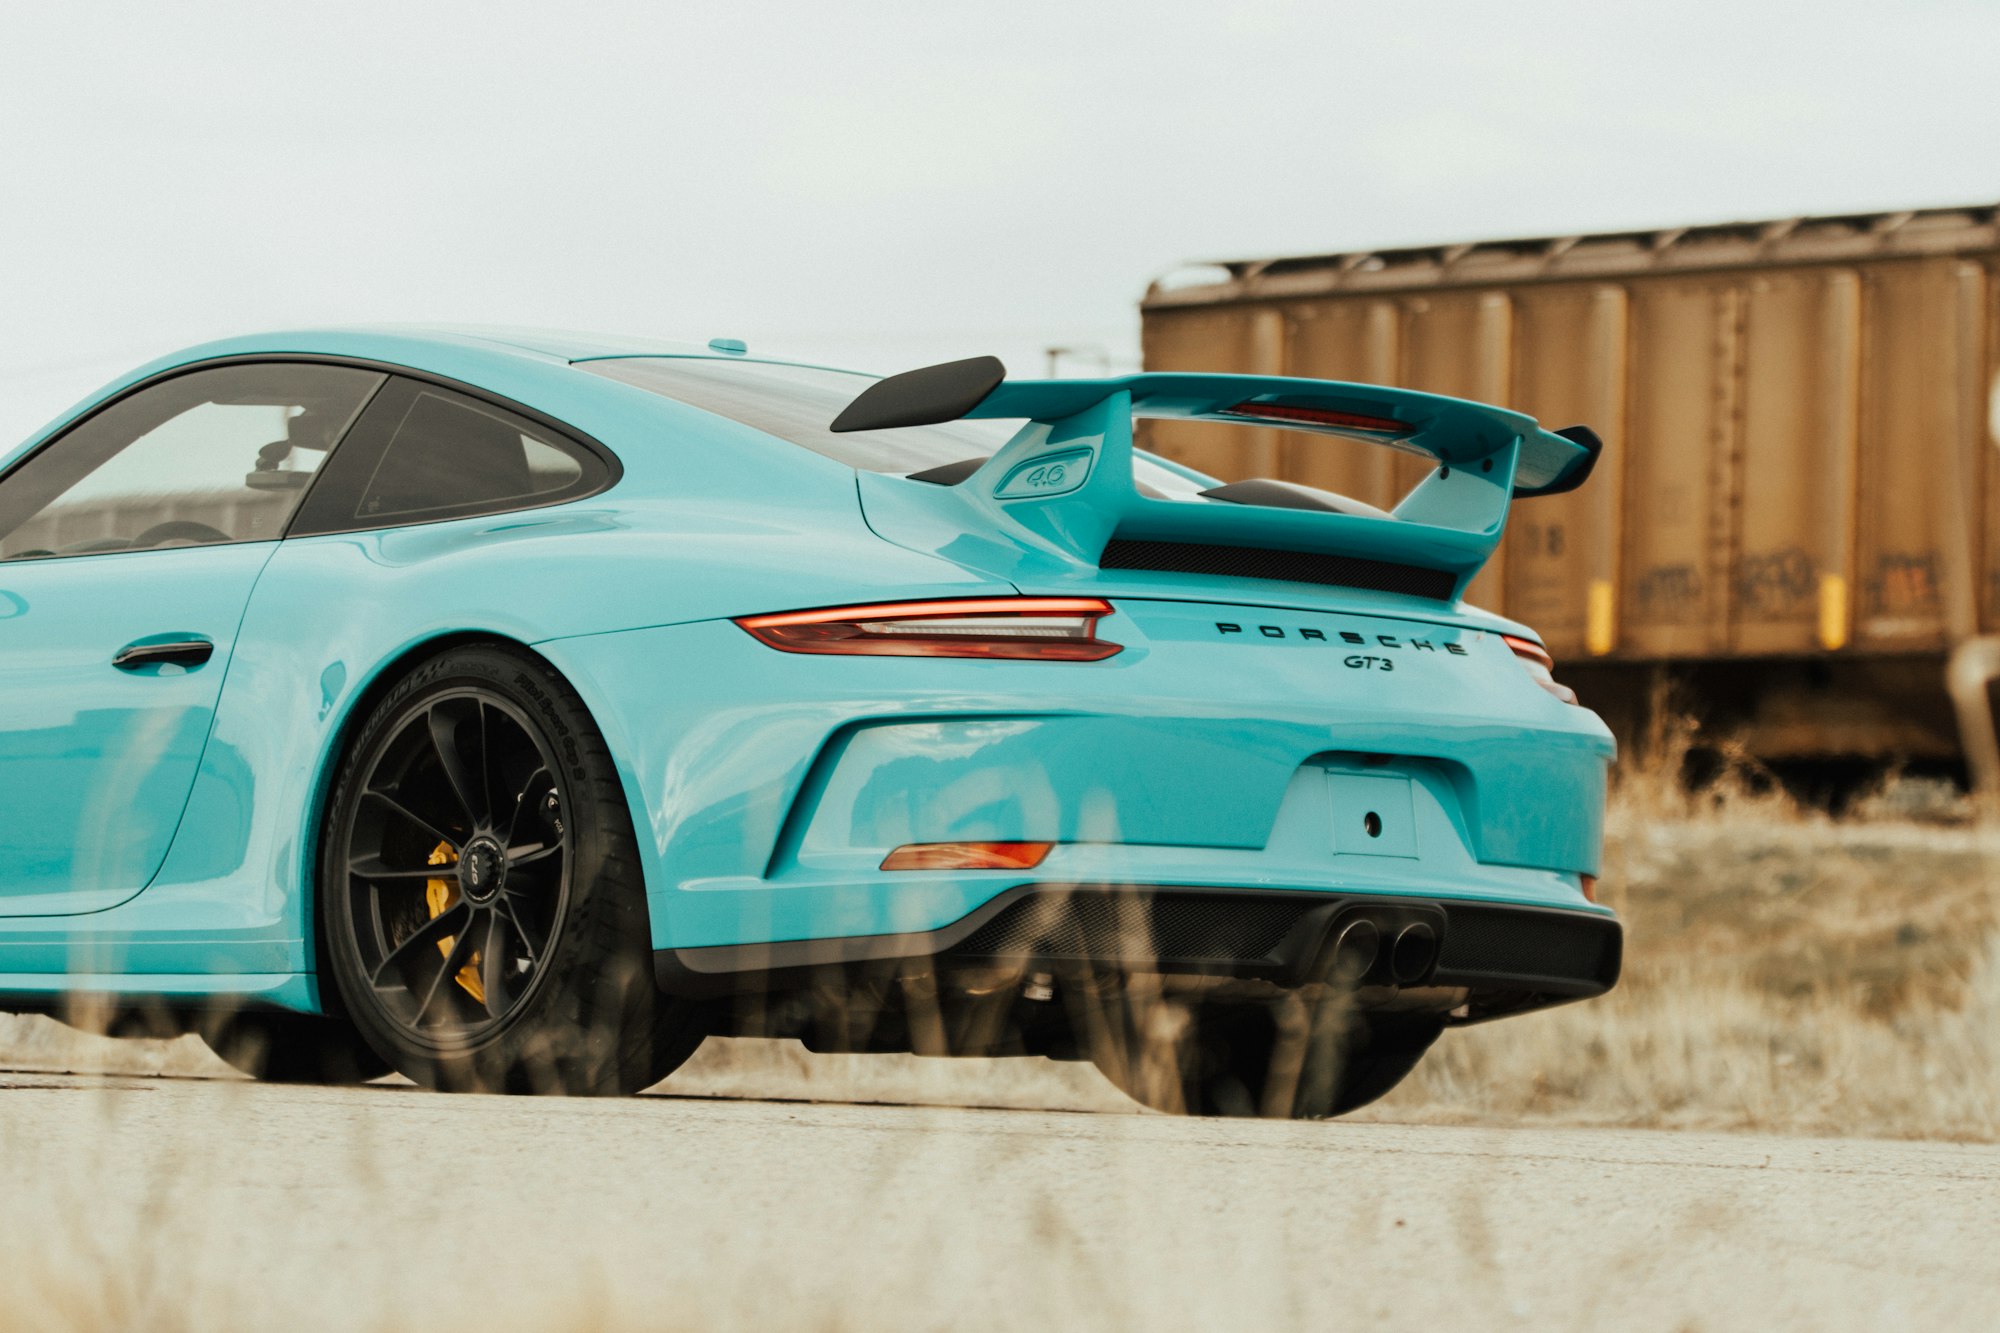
[
  {"x": 1303, "y": 1058},
  {"x": 295, "y": 1048},
  {"x": 480, "y": 889}
]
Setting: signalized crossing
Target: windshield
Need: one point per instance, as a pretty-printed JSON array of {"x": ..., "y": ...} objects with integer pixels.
[{"x": 797, "y": 403}]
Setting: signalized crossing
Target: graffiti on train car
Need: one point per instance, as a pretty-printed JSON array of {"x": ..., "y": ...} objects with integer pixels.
[
  {"x": 1670, "y": 594},
  {"x": 1539, "y": 539},
  {"x": 1778, "y": 585},
  {"x": 1904, "y": 583}
]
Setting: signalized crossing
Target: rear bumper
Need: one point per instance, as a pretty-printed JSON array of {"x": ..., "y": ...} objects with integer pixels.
[
  {"x": 1217, "y": 749},
  {"x": 1507, "y": 957}
]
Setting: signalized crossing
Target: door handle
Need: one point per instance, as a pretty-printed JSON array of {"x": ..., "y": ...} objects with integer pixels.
[{"x": 189, "y": 653}]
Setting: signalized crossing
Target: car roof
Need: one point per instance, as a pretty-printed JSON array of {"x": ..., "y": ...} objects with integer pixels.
[
  {"x": 562, "y": 344},
  {"x": 558, "y": 344},
  {"x": 500, "y": 358},
  {"x": 392, "y": 342}
]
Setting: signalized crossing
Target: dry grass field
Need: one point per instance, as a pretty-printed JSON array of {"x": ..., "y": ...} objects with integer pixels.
[{"x": 1785, "y": 972}]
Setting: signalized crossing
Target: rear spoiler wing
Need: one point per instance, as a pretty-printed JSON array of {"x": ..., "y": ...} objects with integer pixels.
[
  {"x": 1063, "y": 487},
  {"x": 1451, "y": 431}
]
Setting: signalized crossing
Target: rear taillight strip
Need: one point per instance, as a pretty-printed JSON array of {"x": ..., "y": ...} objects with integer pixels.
[
  {"x": 1048, "y": 629},
  {"x": 1529, "y": 650},
  {"x": 1541, "y": 666}
]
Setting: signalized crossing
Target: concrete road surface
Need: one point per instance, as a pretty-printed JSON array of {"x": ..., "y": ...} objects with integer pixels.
[{"x": 212, "y": 1203}]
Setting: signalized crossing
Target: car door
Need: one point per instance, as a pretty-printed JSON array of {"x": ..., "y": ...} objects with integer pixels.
[{"x": 129, "y": 546}]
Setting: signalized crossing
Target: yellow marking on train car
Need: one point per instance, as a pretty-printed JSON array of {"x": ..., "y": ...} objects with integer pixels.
[
  {"x": 1832, "y": 612},
  {"x": 1600, "y": 632}
]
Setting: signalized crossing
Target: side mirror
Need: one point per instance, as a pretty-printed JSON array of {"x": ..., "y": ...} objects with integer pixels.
[{"x": 269, "y": 475}]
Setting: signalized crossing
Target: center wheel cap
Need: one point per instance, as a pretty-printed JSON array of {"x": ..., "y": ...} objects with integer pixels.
[{"x": 482, "y": 870}]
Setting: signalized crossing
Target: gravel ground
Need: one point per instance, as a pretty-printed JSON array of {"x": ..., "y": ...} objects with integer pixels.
[{"x": 166, "y": 1202}]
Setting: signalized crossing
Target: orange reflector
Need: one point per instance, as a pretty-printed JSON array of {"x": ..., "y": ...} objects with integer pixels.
[
  {"x": 967, "y": 856},
  {"x": 1589, "y": 887}
]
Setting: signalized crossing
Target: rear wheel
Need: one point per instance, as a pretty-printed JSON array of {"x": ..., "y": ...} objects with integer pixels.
[
  {"x": 1302, "y": 1058},
  {"x": 483, "y": 906}
]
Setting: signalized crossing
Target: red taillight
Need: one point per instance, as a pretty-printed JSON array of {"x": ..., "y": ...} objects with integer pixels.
[
  {"x": 967, "y": 856},
  {"x": 1529, "y": 650},
  {"x": 1049, "y": 629},
  {"x": 1588, "y": 883},
  {"x": 1540, "y": 666},
  {"x": 1321, "y": 416}
]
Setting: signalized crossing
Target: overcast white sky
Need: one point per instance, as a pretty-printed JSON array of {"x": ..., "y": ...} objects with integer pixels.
[{"x": 887, "y": 184}]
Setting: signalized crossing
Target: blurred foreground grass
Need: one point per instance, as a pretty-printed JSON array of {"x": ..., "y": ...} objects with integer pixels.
[{"x": 1785, "y": 972}]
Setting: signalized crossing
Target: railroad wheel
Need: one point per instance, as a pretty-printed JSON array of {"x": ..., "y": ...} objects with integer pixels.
[
  {"x": 1304, "y": 1058},
  {"x": 483, "y": 904}
]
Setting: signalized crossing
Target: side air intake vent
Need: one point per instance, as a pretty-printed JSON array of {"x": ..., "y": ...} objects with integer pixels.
[{"x": 1251, "y": 562}]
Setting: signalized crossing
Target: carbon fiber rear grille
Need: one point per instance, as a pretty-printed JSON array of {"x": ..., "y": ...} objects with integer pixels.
[
  {"x": 1513, "y": 943},
  {"x": 1183, "y": 927},
  {"x": 1254, "y": 562}
]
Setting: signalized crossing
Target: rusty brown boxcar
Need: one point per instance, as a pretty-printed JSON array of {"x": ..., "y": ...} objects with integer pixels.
[{"x": 1798, "y": 512}]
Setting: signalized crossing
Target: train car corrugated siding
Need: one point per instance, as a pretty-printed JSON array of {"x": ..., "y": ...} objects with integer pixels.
[{"x": 1797, "y": 454}]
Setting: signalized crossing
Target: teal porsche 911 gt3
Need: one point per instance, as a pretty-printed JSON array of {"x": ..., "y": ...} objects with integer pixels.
[{"x": 515, "y": 710}]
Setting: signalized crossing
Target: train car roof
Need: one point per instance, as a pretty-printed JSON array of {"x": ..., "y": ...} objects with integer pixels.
[{"x": 1832, "y": 239}]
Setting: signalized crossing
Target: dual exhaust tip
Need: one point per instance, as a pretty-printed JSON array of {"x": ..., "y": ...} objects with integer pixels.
[{"x": 1360, "y": 952}]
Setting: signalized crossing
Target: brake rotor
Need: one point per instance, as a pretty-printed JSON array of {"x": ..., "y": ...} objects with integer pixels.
[{"x": 440, "y": 895}]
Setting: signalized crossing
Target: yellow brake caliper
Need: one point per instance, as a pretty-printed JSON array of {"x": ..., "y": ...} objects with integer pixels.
[{"x": 440, "y": 894}]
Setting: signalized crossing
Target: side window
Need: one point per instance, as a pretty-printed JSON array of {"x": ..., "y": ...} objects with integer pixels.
[
  {"x": 425, "y": 453},
  {"x": 222, "y": 455}
]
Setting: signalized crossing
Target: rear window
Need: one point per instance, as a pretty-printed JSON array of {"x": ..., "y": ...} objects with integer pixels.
[
  {"x": 422, "y": 452},
  {"x": 449, "y": 452},
  {"x": 796, "y": 403}
]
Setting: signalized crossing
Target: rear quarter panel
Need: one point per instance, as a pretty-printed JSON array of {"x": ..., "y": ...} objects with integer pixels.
[{"x": 768, "y": 785}]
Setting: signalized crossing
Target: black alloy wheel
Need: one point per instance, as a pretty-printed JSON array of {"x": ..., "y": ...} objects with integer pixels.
[
  {"x": 482, "y": 900},
  {"x": 461, "y": 864}
]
